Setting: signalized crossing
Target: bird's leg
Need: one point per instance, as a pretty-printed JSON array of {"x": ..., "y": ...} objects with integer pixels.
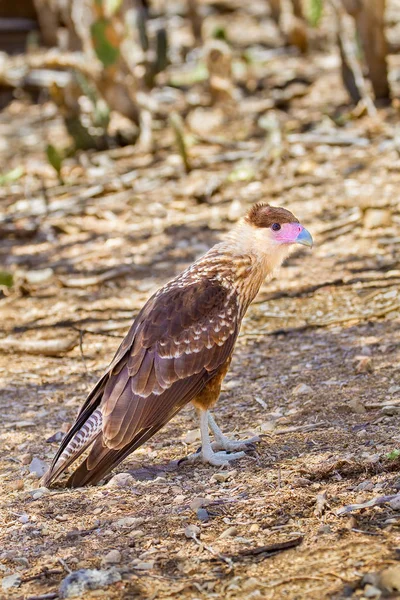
[
  {"x": 222, "y": 442},
  {"x": 207, "y": 454}
]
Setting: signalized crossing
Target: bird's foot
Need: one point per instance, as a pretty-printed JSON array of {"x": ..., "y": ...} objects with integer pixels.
[
  {"x": 217, "y": 459},
  {"x": 234, "y": 445}
]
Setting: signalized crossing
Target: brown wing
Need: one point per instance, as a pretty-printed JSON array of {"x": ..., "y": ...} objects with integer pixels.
[{"x": 177, "y": 343}]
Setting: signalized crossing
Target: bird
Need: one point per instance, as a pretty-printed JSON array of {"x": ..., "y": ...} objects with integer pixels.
[{"x": 178, "y": 350}]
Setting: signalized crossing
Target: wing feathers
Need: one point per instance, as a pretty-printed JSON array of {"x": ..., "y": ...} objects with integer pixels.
[{"x": 179, "y": 340}]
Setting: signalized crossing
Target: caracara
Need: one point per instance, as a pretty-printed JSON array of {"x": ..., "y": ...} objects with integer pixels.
[{"x": 178, "y": 350}]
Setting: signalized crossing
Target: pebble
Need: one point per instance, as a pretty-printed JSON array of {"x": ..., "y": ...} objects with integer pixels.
[
  {"x": 79, "y": 582},
  {"x": 11, "y": 581},
  {"x": 144, "y": 566},
  {"x": 390, "y": 410},
  {"x": 121, "y": 480},
  {"x": 26, "y": 458},
  {"x": 366, "y": 486},
  {"x": 24, "y": 518},
  {"x": 199, "y": 502},
  {"x": 363, "y": 364},
  {"x": 38, "y": 493},
  {"x": 254, "y": 528},
  {"x": 38, "y": 467},
  {"x": 136, "y": 533},
  {"x": 370, "y": 591},
  {"x": 129, "y": 521},
  {"x": 377, "y": 217},
  {"x": 231, "y": 384},
  {"x": 395, "y": 503},
  {"x": 17, "y": 485},
  {"x": 371, "y": 578},
  {"x": 302, "y": 388},
  {"x": 357, "y": 406},
  {"x": 223, "y": 476},
  {"x": 230, "y": 532},
  {"x": 192, "y": 531},
  {"x": 193, "y": 435},
  {"x": 112, "y": 558},
  {"x": 301, "y": 482},
  {"x": 202, "y": 514},
  {"x": 324, "y": 530},
  {"x": 268, "y": 426},
  {"x": 390, "y": 578},
  {"x": 55, "y": 438}
]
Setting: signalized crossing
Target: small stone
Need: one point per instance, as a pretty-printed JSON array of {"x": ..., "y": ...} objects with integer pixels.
[
  {"x": 21, "y": 560},
  {"x": 16, "y": 485},
  {"x": 370, "y": 591},
  {"x": 11, "y": 581},
  {"x": 220, "y": 477},
  {"x": 145, "y": 565},
  {"x": 78, "y": 582},
  {"x": 112, "y": 558},
  {"x": 121, "y": 480},
  {"x": 377, "y": 217},
  {"x": 128, "y": 521},
  {"x": 301, "y": 482},
  {"x": 38, "y": 467},
  {"x": 192, "y": 436},
  {"x": 26, "y": 458},
  {"x": 302, "y": 389},
  {"x": 202, "y": 514},
  {"x": 192, "y": 531},
  {"x": 324, "y": 530},
  {"x": 395, "y": 503},
  {"x": 231, "y": 384},
  {"x": 268, "y": 426},
  {"x": 230, "y": 532},
  {"x": 38, "y": 493},
  {"x": 23, "y": 519},
  {"x": 254, "y": 528},
  {"x": 371, "y": 578},
  {"x": 363, "y": 364},
  {"x": 23, "y": 424},
  {"x": 197, "y": 503},
  {"x": 136, "y": 533},
  {"x": 357, "y": 406},
  {"x": 390, "y": 578},
  {"x": 390, "y": 410},
  {"x": 55, "y": 438},
  {"x": 365, "y": 486},
  {"x": 39, "y": 275}
]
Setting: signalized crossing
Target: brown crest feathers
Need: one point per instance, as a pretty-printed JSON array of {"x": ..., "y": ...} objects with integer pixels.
[{"x": 264, "y": 215}]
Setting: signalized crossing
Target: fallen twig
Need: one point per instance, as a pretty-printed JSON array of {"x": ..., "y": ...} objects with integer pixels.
[
  {"x": 304, "y": 428},
  {"x": 50, "y": 596},
  {"x": 269, "y": 550},
  {"x": 39, "y": 347},
  {"x": 347, "y": 38},
  {"x": 96, "y": 279},
  {"x": 378, "y": 501}
]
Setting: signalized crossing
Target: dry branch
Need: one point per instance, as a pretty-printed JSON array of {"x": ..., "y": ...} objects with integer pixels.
[
  {"x": 38, "y": 347},
  {"x": 347, "y": 37}
]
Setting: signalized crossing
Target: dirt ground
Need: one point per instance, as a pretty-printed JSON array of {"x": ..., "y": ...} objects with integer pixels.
[{"x": 315, "y": 370}]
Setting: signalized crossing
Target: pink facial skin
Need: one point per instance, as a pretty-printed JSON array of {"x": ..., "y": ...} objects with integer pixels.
[{"x": 288, "y": 233}]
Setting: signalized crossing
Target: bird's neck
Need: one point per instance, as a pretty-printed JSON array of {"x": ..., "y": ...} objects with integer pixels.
[{"x": 245, "y": 261}]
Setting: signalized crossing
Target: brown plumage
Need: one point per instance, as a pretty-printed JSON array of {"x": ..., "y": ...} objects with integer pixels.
[{"x": 178, "y": 350}]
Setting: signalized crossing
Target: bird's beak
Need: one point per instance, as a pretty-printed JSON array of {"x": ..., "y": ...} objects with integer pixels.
[{"x": 304, "y": 238}]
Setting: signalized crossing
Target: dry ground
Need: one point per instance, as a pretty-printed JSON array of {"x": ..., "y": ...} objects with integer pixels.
[{"x": 329, "y": 321}]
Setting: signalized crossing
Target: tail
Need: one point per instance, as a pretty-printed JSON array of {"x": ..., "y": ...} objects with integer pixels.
[{"x": 75, "y": 442}]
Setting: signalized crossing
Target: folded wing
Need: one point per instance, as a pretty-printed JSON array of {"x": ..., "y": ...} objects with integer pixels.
[{"x": 178, "y": 342}]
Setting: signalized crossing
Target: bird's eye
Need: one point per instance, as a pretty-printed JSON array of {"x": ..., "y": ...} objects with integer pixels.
[{"x": 275, "y": 226}]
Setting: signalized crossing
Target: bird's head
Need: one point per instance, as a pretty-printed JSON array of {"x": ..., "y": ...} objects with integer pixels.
[
  {"x": 270, "y": 233},
  {"x": 277, "y": 226}
]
